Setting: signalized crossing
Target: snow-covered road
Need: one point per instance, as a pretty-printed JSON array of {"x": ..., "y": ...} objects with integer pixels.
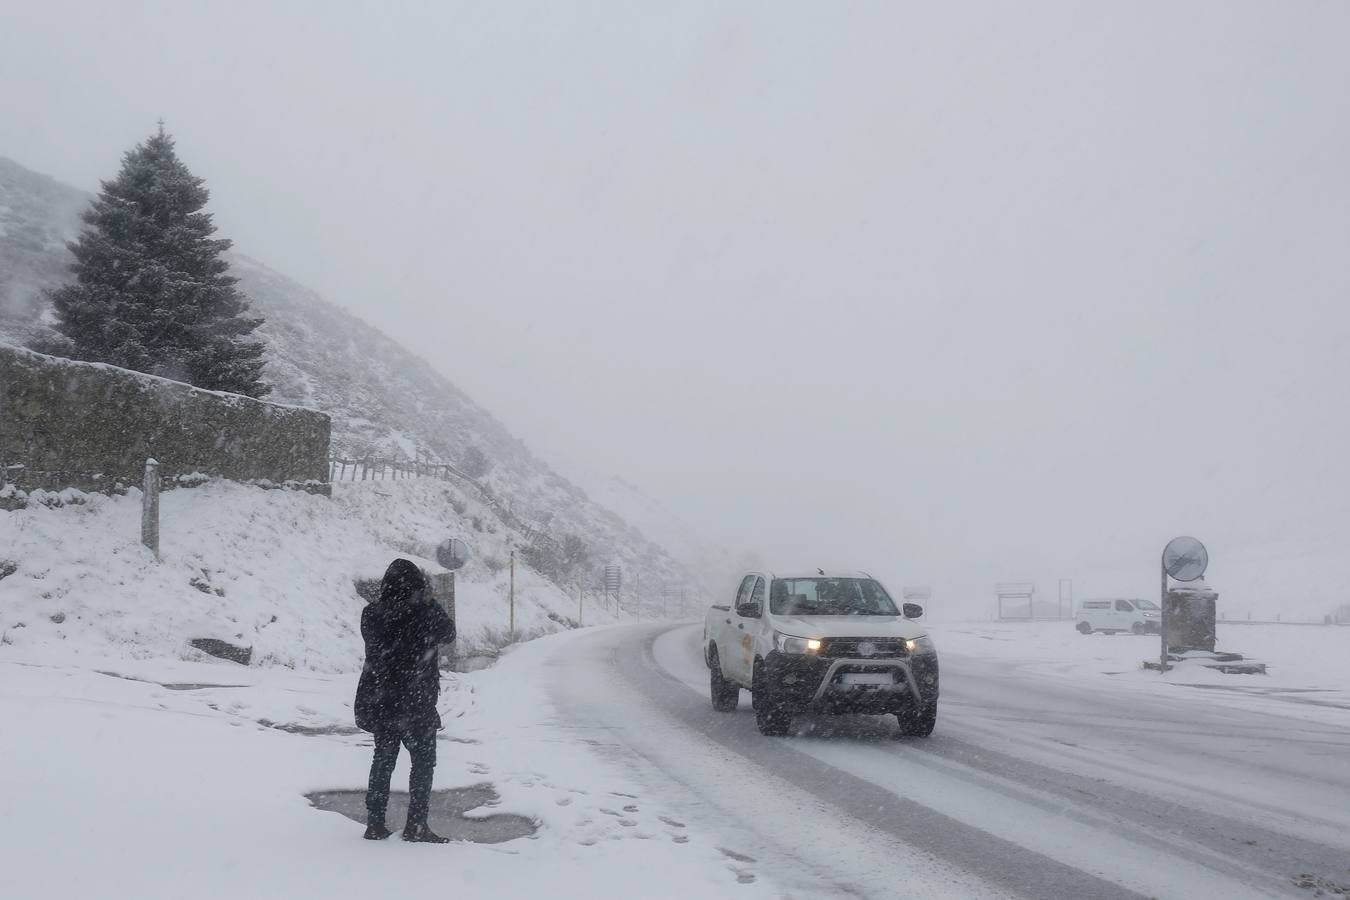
[{"x": 1034, "y": 784}]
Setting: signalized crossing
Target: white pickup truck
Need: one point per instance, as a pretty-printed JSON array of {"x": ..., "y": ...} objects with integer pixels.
[{"x": 822, "y": 643}]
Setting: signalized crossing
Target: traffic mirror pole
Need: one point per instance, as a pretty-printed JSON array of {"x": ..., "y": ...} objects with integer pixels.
[{"x": 1162, "y": 619}]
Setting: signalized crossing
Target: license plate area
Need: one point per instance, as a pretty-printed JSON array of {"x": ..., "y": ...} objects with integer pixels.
[{"x": 872, "y": 679}]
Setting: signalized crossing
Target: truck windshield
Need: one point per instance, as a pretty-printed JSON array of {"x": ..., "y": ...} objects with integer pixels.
[{"x": 830, "y": 597}]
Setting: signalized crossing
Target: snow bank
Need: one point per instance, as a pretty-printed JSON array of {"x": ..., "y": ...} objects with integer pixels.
[
  {"x": 1308, "y": 670},
  {"x": 273, "y": 570}
]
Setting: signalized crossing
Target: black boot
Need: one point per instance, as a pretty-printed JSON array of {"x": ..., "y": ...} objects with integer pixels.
[
  {"x": 376, "y": 831},
  {"x": 421, "y": 834}
]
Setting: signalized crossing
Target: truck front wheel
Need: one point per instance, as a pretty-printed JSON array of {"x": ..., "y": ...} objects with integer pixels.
[
  {"x": 771, "y": 716},
  {"x": 918, "y": 720},
  {"x": 725, "y": 694}
]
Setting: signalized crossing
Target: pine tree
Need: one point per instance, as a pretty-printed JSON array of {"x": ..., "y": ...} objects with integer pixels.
[{"x": 152, "y": 291}]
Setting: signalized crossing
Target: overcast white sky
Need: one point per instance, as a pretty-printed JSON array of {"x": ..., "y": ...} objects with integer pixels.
[{"x": 954, "y": 292}]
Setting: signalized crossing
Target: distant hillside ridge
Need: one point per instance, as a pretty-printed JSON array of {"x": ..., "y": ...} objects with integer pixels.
[{"x": 384, "y": 400}]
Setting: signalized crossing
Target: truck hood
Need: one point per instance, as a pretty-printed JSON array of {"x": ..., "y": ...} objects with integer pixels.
[{"x": 848, "y": 626}]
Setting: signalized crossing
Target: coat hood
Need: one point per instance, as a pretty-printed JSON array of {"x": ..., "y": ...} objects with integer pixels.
[{"x": 402, "y": 579}]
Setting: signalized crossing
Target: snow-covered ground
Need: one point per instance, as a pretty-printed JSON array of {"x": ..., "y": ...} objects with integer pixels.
[
  {"x": 271, "y": 570},
  {"x": 141, "y": 779},
  {"x": 1047, "y": 777},
  {"x": 1307, "y": 674},
  {"x": 133, "y": 766}
]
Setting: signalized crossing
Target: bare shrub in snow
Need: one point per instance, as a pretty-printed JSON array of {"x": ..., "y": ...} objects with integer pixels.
[
  {"x": 576, "y": 553},
  {"x": 545, "y": 557},
  {"x": 475, "y": 462},
  {"x": 492, "y": 640}
]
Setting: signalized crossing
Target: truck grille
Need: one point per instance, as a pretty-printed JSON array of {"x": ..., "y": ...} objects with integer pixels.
[{"x": 863, "y": 648}]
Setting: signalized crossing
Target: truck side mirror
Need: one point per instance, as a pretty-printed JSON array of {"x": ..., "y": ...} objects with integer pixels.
[
  {"x": 748, "y": 611},
  {"x": 912, "y": 610}
]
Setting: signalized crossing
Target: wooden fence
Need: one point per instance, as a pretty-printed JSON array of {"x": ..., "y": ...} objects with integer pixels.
[{"x": 377, "y": 469}]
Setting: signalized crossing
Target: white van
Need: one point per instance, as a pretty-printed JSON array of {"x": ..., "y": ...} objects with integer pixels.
[{"x": 1111, "y": 616}]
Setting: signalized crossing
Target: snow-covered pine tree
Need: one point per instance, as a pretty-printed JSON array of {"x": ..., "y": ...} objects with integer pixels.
[{"x": 152, "y": 291}]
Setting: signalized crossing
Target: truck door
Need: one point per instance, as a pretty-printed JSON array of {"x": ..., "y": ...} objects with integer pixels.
[
  {"x": 746, "y": 617},
  {"x": 728, "y": 635}
]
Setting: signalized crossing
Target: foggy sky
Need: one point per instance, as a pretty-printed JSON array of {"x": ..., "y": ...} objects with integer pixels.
[{"x": 952, "y": 292}]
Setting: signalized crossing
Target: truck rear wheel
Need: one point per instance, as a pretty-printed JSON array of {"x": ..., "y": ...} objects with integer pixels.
[
  {"x": 1084, "y": 628},
  {"x": 726, "y": 695},
  {"x": 771, "y": 716}
]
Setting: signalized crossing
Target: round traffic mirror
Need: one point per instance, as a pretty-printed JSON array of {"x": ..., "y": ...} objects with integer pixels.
[
  {"x": 1185, "y": 558},
  {"x": 452, "y": 553}
]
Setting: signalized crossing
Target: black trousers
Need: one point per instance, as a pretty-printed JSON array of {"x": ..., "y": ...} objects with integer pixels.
[{"x": 421, "y": 744}]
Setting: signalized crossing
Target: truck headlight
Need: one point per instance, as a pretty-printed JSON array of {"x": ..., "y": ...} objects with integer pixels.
[
  {"x": 787, "y": 644},
  {"x": 920, "y": 645}
]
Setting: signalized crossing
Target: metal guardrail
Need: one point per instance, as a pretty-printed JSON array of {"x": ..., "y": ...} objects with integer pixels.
[{"x": 1328, "y": 621}]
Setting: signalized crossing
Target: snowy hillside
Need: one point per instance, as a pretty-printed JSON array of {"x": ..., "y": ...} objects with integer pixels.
[
  {"x": 718, "y": 567},
  {"x": 271, "y": 570},
  {"x": 37, "y": 214},
  {"x": 384, "y": 401}
]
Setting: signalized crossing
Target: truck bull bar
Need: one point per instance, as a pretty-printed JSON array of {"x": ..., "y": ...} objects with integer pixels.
[{"x": 898, "y": 665}]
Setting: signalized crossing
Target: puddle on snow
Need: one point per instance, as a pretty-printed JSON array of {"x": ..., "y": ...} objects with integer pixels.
[
  {"x": 310, "y": 730},
  {"x": 446, "y": 816},
  {"x": 172, "y": 685}
]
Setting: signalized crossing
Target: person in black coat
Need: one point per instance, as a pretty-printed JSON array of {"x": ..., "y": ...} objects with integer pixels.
[{"x": 396, "y": 695}]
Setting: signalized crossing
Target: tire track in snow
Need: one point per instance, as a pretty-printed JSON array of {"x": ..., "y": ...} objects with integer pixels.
[{"x": 821, "y": 830}]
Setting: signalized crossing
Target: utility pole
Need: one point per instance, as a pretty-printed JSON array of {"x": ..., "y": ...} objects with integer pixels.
[{"x": 511, "y": 595}]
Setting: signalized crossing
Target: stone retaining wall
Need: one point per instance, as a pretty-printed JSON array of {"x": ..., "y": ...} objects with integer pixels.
[{"x": 75, "y": 424}]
